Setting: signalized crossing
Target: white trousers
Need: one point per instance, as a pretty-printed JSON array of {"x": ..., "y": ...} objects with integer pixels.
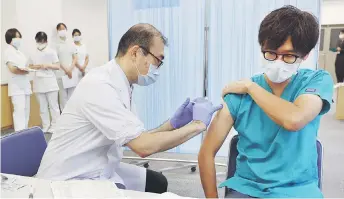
[
  {"x": 64, "y": 94},
  {"x": 48, "y": 101},
  {"x": 21, "y": 111}
]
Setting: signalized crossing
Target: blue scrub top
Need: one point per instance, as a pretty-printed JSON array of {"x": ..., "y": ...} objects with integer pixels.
[{"x": 272, "y": 161}]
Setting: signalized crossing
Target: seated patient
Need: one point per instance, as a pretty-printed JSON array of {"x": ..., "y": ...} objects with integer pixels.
[{"x": 276, "y": 114}]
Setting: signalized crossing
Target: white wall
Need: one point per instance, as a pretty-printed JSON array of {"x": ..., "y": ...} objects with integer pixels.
[
  {"x": 90, "y": 17},
  {"x": 332, "y": 12},
  {"x": 31, "y": 16}
]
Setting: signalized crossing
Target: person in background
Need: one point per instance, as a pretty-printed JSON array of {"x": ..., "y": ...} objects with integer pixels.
[
  {"x": 339, "y": 64},
  {"x": 19, "y": 87},
  {"x": 276, "y": 115},
  {"x": 100, "y": 119},
  {"x": 66, "y": 53},
  {"x": 45, "y": 87},
  {"x": 81, "y": 52}
]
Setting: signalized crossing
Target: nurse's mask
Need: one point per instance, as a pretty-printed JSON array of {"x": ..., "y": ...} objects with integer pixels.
[
  {"x": 41, "y": 46},
  {"x": 77, "y": 38},
  {"x": 16, "y": 42},
  {"x": 150, "y": 77},
  {"x": 341, "y": 36},
  {"x": 62, "y": 33}
]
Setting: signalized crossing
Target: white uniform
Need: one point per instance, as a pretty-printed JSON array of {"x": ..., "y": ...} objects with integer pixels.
[
  {"x": 65, "y": 51},
  {"x": 81, "y": 52},
  {"x": 19, "y": 88},
  {"x": 95, "y": 124},
  {"x": 45, "y": 87}
]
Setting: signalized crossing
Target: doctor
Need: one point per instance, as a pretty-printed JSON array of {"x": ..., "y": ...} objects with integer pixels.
[
  {"x": 66, "y": 53},
  {"x": 19, "y": 87},
  {"x": 99, "y": 120},
  {"x": 45, "y": 87},
  {"x": 81, "y": 53}
]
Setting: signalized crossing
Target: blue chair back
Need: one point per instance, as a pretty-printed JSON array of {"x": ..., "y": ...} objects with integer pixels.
[
  {"x": 233, "y": 153},
  {"x": 22, "y": 152}
]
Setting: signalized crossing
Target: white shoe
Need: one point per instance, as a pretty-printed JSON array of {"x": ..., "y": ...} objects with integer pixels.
[
  {"x": 45, "y": 130},
  {"x": 51, "y": 130}
]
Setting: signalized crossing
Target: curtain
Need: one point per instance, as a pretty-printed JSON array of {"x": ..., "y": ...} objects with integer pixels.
[
  {"x": 182, "y": 74},
  {"x": 234, "y": 51}
]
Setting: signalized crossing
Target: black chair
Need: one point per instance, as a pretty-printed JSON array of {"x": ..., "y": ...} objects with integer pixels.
[{"x": 233, "y": 153}]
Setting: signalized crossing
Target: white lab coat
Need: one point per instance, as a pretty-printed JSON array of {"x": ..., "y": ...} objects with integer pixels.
[
  {"x": 65, "y": 51},
  {"x": 96, "y": 123},
  {"x": 45, "y": 87},
  {"x": 19, "y": 88}
]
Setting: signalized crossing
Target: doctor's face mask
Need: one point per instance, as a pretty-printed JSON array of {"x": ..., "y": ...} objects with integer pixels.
[{"x": 150, "y": 76}]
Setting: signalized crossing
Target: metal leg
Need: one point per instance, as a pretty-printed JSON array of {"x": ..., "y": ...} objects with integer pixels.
[
  {"x": 178, "y": 167},
  {"x": 190, "y": 163}
]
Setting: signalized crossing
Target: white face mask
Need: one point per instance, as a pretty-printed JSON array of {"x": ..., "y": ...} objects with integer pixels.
[
  {"x": 41, "y": 46},
  {"x": 16, "y": 42},
  {"x": 150, "y": 78},
  {"x": 77, "y": 38},
  {"x": 278, "y": 71},
  {"x": 341, "y": 36},
  {"x": 62, "y": 33}
]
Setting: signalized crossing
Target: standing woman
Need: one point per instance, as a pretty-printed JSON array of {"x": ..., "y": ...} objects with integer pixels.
[
  {"x": 19, "y": 87},
  {"x": 66, "y": 53},
  {"x": 81, "y": 52},
  {"x": 340, "y": 58},
  {"x": 45, "y": 61}
]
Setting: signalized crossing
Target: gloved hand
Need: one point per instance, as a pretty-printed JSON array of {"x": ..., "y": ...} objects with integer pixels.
[
  {"x": 203, "y": 110},
  {"x": 183, "y": 115}
]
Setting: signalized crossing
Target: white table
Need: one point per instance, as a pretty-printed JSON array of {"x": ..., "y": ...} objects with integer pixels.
[{"x": 42, "y": 189}]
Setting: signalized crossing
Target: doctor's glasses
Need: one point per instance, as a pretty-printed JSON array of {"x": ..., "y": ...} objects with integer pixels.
[{"x": 159, "y": 61}]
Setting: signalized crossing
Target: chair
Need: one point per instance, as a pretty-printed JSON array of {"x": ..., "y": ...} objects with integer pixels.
[
  {"x": 233, "y": 153},
  {"x": 22, "y": 152}
]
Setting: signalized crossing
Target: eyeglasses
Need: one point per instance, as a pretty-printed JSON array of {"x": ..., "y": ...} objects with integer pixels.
[
  {"x": 160, "y": 62},
  {"x": 287, "y": 58}
]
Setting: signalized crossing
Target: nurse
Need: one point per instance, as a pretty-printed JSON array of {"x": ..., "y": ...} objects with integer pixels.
[
  {"x": 66, "y": 53},
  {"x": 81, "y": 53},
  {"x": 276, "y": 115},
  {"x": 45, "y": 87},
  {"x": 100, "y": 119},
  {"x": 19, "y": 87},
  {"x": 339, "y": 64}
]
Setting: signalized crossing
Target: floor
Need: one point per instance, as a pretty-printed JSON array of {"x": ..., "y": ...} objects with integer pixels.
[{"x": 184, "y": 182}]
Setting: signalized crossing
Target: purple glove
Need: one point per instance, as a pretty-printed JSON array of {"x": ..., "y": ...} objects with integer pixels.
[
  {"x": 183, "y": 115},
  {"x": 203, "y": 110}
]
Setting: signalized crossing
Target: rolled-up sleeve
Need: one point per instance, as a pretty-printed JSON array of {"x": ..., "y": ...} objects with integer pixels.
[{"x": 108, "y": 114}]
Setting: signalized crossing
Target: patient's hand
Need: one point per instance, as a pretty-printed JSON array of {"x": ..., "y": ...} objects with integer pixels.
[{"x": 238, "y": 87}]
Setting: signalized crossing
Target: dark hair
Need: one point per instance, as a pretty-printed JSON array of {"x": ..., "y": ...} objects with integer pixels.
[
  {"x": 302, "y": 27},
  {"x": 342, "y": 31},
  {"x": 141, "y": 35},
  {"x": 61, "y": 24},
  {"x": 10, "y": 34},
  {"x": 76, "y": 31},
  {"x": 41, "y": 37}
]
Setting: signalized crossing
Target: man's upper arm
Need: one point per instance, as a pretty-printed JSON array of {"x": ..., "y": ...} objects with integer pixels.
[
  {"x": 107, "y": 113},
  {"x": 218, "y": 130},
  {"x": 316, "y": 96}
]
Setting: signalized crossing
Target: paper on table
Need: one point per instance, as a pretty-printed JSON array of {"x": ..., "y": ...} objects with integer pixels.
[{"x": 86, "y": 189}]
